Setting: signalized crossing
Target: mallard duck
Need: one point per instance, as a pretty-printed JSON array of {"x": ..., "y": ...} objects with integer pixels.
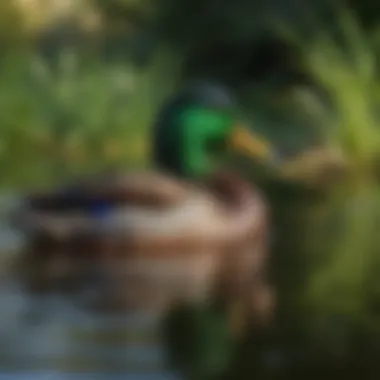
[{"x": 191, "y": 233}]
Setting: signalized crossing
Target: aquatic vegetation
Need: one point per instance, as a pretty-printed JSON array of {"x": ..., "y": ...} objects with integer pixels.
[{"x": 336, "y": 296}]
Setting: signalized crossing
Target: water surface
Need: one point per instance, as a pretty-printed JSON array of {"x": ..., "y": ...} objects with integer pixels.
[{"x": 52, "y": 337}]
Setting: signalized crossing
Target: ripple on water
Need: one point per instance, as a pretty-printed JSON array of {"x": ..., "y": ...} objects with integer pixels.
[{"x": 63, "y": 340}]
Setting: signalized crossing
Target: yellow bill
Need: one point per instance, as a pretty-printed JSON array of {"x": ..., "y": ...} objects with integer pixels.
[{"x": 245, "y": 142}]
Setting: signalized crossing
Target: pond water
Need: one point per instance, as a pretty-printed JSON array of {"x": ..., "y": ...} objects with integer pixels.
[
  {"x": 51, "y": 337},
  {"x": 51, "y": 334}
]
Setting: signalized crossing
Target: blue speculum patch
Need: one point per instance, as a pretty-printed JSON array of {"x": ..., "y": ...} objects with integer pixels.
[{"x": 100, "y": 209}]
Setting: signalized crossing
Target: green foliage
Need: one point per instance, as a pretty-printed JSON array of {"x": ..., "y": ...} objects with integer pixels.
[
  {"x": 57, "y": 123},
  {"x": 128, "y": 12},
  {"x": 78, "y": 117},
  {"x": 340, "y": 254}
]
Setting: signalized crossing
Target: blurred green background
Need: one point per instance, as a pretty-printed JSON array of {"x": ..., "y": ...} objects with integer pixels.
[{"x": 81, "y": 82}]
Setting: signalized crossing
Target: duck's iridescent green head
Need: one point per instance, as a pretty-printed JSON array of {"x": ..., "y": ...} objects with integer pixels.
[{"x": 198, "y": 129}]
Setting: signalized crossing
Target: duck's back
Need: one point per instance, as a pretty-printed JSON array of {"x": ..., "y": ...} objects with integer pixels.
[{"x": 149, "y": 209}]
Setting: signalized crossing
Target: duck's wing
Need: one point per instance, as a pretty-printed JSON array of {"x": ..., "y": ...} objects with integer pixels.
[
  {"x": 150, "y": 210},
  {"x": 134, "y": 205}
]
